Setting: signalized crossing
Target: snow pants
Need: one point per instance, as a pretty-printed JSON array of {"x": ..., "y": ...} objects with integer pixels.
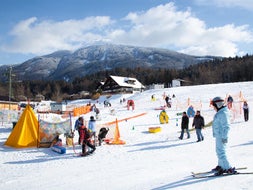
[
  {"x": 246, "y": 114},
  {"x": 89, "y": 145},
  {"x": 221, "y": 154}
]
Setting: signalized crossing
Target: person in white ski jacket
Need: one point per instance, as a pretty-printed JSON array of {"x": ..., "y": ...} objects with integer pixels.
[
  {"x": 221, "y": 126},
  {"x": 92, "y": 127}
]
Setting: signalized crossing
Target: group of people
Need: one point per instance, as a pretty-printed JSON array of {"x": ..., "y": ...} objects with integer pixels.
[
  {"x": 198, "y": 123},
  {"x": 86, "y": 134},
  {"x": 245, "y": 107},
  {"x": 220, "y": 126}
]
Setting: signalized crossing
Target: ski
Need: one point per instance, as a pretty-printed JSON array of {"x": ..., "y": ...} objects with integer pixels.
[
  {"x": 223, "y": 175},
  {"x": 210, "y": 172},
  {"x": 86, "y": 155}
]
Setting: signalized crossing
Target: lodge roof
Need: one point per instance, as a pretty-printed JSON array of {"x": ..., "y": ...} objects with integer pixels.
[{"x": 127, "y": 82}]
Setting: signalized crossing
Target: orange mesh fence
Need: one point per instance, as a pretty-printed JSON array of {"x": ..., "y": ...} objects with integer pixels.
[{"x": 81, "y": 110}]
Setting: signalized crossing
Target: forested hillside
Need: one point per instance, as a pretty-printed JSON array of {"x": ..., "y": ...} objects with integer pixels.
[{"x": 216, "y": 71}]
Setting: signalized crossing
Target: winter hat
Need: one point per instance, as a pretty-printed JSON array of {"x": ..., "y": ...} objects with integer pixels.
[
  {"x": 218, "y": 102},
  {"x": 92, "y": 118}
]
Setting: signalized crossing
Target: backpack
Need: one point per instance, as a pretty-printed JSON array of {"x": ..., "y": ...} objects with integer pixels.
[
  {"x": 103, "y": 132},
  {"x": 87, "y": 133},
  {"x": 78, "y": 124}
]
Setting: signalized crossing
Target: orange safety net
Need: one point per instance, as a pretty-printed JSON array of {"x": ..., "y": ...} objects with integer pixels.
[{"x": 81, "y": 110}]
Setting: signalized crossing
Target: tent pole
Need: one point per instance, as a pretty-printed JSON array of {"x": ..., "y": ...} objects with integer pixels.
[{"x": 38, "y": 135}]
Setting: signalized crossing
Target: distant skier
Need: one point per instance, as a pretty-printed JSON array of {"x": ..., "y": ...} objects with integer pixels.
[
  {"x": 230, "y": 101},
  {"x": 198, "y": 123},
  {"x": 184, "y": 126},
  {"x": 245, "y": 110},
  {"x": 102, "y": 134},
  {"x": 107, "y": 103},
  {"x": 221, "y": 126},
  {"x": 92, "y": 128},
  {"x": 168, "y": 101}
]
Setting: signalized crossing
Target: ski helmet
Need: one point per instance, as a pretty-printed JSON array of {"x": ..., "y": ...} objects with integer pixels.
[{"x": 218, "y": 102}]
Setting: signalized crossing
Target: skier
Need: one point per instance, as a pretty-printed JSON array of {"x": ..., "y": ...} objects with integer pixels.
[
  {"x": 168, "y": 101},
  {"x": 184, "y": 126},
  {"x": 163, "y": 117},
  {"x": 85, "y": 136},
  {"x": 230, "y": 101},
  {"x": 245, "y": 110},
  {"x": 198, "y": 123},
  {"x": 92, "y": 128},
  {"x": 221, "y": 126},
  {"x": 102, "y": 134},
  {"x": 78, "y": 124}
]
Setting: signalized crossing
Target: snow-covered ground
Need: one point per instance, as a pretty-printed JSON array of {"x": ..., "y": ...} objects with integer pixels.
[{"x": 147, "y": 160}]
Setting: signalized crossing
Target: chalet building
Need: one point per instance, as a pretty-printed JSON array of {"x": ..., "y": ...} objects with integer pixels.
[
  {"x": 6, "y": 105},
  {"x": 117, "y": 84},
  {"x": 58, "y": 107},
  {"x": 156, "y": 86},
  {"x": 178, "y": 82}
]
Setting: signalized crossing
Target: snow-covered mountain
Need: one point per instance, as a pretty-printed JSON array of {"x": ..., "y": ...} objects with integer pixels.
[{"x": 68, "y": 65}]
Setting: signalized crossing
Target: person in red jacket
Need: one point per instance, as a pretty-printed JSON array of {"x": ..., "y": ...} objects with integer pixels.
[{"x": 85, "y": 136}]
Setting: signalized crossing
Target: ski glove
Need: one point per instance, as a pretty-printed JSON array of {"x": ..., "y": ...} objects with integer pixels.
[{"x": 224, "y": 141}]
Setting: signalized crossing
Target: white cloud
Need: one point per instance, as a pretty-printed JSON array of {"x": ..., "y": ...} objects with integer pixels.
[
  {"x": 161, "y": 26},
  {"x": 220, "y": 41},
  {"x": 37, "y": 37},
  {"x": 164, "y": 26},
  {"x": 245, "y": 4}
]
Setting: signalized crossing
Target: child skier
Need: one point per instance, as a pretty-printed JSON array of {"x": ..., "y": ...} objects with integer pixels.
[
  {"x": 85, "y": 139},
  {"x": 221, "y": 126}
]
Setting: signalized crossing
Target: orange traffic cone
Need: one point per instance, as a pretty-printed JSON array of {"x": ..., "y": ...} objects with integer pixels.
[{"x": 116, "y": 139}]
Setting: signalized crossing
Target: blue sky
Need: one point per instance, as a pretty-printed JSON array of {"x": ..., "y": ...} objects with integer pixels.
[{"x": 30, "y": 28}]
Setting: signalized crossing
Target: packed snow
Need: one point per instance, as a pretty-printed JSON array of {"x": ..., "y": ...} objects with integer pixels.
[{"x": 147, "y": 160}]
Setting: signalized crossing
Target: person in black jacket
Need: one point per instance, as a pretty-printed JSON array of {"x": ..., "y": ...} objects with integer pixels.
[
  {"x": 245, "y": 110},
  {"x": 198, "y": 123},
  {"x": 184, "y": 126}
]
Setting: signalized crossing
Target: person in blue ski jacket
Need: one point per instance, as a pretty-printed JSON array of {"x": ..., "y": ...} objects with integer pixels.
[{"x": 221, "y": 126}]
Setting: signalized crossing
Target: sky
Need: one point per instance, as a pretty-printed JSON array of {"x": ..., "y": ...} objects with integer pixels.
[{"x": 30, "y": 28}]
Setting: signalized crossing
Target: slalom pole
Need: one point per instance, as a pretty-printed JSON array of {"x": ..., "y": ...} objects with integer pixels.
[
  {"x": 38, "y": 135},
  {"x": 73, "y": 143}
]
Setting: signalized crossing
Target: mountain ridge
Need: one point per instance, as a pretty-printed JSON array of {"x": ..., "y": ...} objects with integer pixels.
[{"x": 67, "y": 65}]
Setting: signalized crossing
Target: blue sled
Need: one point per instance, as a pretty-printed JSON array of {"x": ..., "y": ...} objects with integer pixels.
[{"x": 59, "y": 149}]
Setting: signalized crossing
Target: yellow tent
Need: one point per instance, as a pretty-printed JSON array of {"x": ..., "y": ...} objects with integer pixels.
[{"x": 25, "y": 133}]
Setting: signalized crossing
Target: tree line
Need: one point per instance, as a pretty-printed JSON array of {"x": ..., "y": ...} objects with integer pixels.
[{"x": 237, "y": 69}]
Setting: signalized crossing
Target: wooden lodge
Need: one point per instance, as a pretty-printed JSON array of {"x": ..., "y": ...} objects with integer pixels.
[{"x": 117, "y": 84}]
